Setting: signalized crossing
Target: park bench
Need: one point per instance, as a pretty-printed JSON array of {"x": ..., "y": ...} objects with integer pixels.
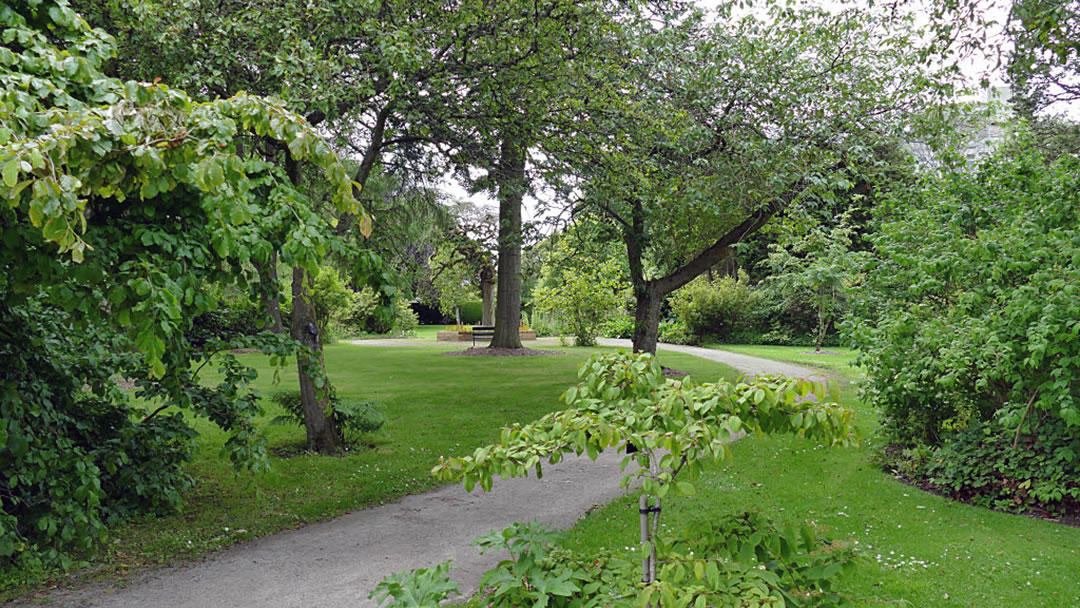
[{"x": 483, "y": 332}]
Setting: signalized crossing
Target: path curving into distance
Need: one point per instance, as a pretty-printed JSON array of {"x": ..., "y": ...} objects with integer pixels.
[{"x": 335, "y": 564}]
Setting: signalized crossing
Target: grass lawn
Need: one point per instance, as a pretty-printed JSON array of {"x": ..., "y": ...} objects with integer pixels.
[
  {"x": 436, "y": 405},
  {"x": 427, "y": 332},
  {"x": 921, "y": 548}
]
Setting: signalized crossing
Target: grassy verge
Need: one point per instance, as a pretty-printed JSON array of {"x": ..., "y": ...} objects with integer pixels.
[
  {"x": 435, "y": 404},
  {"x": 428, "y": 332},
  {"x": 921, "y": 548}
]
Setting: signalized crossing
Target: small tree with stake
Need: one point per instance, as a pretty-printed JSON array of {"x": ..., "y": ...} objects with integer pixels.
[{"x": 678, "y": 427}]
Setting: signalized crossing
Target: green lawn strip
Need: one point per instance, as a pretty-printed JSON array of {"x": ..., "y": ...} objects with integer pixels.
[
  {"x": 435, "y": 404},
  {"x": 428, "y": 332},
  {"x": 933, "y": 551}
]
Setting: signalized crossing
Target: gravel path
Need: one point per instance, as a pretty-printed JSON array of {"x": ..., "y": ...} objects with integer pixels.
[{"x": 336, "y": 563}]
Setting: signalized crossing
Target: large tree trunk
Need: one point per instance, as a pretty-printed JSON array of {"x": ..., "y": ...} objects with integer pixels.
[
  {"x": 269, "y": 300},
  {"x": 322, "y": 435},
  {"x": 510, "y": 177},
  {"x": 487, "y": 295},
  {"x": 646, "y": 318}
]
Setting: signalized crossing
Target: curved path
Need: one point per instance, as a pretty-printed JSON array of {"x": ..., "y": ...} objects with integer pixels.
[{"x": 336, "y": 563}]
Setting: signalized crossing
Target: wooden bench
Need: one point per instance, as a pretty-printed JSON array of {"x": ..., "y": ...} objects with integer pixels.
[{"x": 482, "y": 332}]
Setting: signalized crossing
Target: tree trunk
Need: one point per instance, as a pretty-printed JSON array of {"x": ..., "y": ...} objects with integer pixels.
[
  {"x": 823, "y": 325},
  {"x": 510, "y": 178},
  {"x": 322, "y": 436},
  {"x": 646, "y": 318},
  {"x": 487, "y": 294},
  {"x": 650, "y": 293},
  {"x": 457, "y": 315},
  {"x": 269, "y": 300}
]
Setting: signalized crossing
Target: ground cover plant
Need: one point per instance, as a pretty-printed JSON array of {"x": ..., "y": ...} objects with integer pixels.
[
  {"x": 917, "y": 547},
  {"x": 420, "y": 388}
]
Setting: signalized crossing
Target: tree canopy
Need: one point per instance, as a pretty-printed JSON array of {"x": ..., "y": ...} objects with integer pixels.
[{"x": 121, "y": 199}]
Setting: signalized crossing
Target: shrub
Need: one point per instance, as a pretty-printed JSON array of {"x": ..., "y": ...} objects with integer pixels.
[
  {"x": 743, "y": 560},
  {"x": 353, "y": 418},
  {"x": 714, "y": 308},
  {"x": 405, "y": 320},
  {"x": 618, "y": 327},
  {"x": 676, "y": 332},
  {"x": 367, "y": 314},
  {"x": 583, "y": 300},
  {"x": 72, "y": 456},
  {"x": 781, "y": 336},
  {"x": 471, "y": 312},
  {"x": 971, "y": 311},
  {"x": 545, "y": 324}
]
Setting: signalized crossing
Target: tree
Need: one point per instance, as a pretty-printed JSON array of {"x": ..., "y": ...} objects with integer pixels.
[
  {"x": 473, "y": 239},
  {"x": 1036, "y": 41},
  {"x": 217, "y": 50},
  {"x": 583, "y": 299},
  {"x": 819, "y": 267},
  {"x": 526, "y": 88},
  {"x": 707, "y": 132},
  {"x": 452, "y": 278},
  {"x": 122, "y": 199}
]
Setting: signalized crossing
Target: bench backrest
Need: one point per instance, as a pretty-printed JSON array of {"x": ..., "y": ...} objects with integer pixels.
[{"x": 483, "y": 331}]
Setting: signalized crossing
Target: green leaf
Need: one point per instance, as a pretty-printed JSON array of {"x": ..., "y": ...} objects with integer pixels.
[
  {"x": 686, "y": 488},
  {"x": 11, "y": 173}
]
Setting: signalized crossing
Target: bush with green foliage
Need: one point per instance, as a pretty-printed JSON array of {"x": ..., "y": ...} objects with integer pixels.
[
  {"x": 676, "y": 332},
  {"x": 972, "y": 315},
  {"x": 471, "y": 312},
  {"x": 618, "y": 327},
  {"x": 352, "y": 418},
  {"x": 743, "y": 560},
  {"x": 816, "y": 270},
  {"x": 331, "y": 297},
  {"x": 747, "y": 559},
  {"x": 236, "y": 315},
  {"x": 545, "y": 325},
  {"x": 367, "y": 313},
  {"x": 75, "y": 455},
  {"x": 714, "y": 308},
  {"x": 986, "y": 466},
  {"x": 974, "y": 311},
  {"x": 583, "y": 300}
]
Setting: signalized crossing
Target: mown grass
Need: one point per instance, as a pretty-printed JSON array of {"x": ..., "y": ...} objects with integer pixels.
[
  {"x": 919, "y": 548},
  {"x": 428, "y": 332},
  {"x": 435, "y": 405}
]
